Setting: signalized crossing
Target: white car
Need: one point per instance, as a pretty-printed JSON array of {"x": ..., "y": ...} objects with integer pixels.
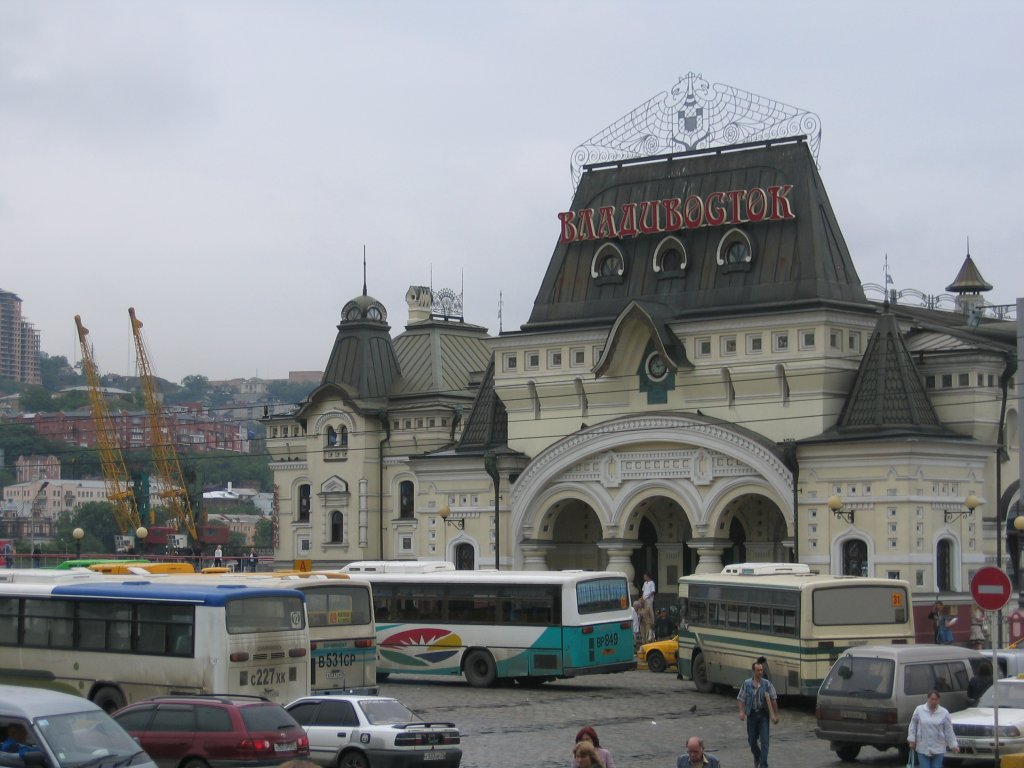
[
  {"x": 373, "y": 732},
  {"x": 974, "y": 727}
]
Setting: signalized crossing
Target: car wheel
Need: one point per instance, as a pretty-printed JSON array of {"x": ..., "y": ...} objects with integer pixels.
[
  {"x": 848, "y": 752},
  {"x": 353, "y": 759},
  {"x": 195, "y": 762},
  {"x": 656, "y": 662},
  {"x": 700, "y": 674},
  {"x": 108, "y": 698},
  {"x": 480, "y": 669}
]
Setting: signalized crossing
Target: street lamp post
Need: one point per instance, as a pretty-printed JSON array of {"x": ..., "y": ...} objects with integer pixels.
[
  {"x": 79, "y": 534},
  {"x": 491, "y": 467},
  {"x": 142, "y": 532}
]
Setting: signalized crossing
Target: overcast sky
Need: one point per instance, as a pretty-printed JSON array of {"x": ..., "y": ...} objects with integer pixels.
[{"x": 220, "y": 165}]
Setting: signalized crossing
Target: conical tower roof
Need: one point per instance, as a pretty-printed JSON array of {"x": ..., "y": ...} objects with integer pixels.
[
  {"x": 888, "y": 397},
  {"x": 968, "y": 279}
]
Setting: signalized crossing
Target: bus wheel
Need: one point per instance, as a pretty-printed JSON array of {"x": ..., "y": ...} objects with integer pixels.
[
  {"x": 353, "y": 759},
  {"x": 848, "y": 752},
  {"x": 655, "y": 662},
  {"x": 108, "y": 699},
  {"x": 480, "y": 670},
  {"x": 700, "y": 674},
  {"x": 382, "y": 676}
]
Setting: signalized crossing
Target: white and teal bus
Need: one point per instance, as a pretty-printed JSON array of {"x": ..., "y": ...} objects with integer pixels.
[
  {"x": 798, "y": 620},
  {"x": 531, "y": 626},
  {"x": 118, "y": 639}
]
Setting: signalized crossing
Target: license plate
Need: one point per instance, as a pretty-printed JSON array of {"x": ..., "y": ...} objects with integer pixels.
[
  {"x": 433, "y": 755},
  {"x": 853, "y": 715},
  {"x": 286, "y": 747}
]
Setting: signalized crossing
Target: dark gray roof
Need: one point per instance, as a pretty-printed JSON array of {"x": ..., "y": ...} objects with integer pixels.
[
  {"x": 799, "y": 261},
  {"x": 888, "y": 398},
  {"x": 363, "y": 361},
  {"x": 487, "y": 426}
]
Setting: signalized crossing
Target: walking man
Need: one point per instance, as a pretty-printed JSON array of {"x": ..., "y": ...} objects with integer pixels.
[
  {"x": 757, "y": 702},
  {"x": 695, "y": 756}
]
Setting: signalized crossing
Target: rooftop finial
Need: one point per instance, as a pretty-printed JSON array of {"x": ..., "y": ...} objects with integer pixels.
[
  {"x": 364, "y": 269},
  {"x": 888, "y": 282}
]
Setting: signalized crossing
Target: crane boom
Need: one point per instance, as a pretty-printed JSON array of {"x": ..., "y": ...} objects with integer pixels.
[
  {"x": 115, "y": 474},
  {"x": 165, "y": 457}
]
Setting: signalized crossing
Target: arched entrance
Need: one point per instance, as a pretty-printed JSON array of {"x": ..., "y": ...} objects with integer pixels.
[{"x": 575, "y": 533}]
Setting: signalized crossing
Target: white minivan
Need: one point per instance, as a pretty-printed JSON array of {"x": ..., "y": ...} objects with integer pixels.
[{"x": 58, "y": 730}]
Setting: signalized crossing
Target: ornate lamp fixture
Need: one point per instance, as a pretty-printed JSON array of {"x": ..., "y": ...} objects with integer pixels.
[
  {"x": 971, "y": 503},
  {"x": 836, "y": 505},
  {"x": 459, "y": 523}
]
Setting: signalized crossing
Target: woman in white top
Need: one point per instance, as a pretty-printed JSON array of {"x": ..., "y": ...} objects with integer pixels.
[{"x": 931, "y": 733}]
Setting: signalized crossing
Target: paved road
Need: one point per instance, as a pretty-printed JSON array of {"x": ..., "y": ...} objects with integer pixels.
[{"x": 643, "y": 718}]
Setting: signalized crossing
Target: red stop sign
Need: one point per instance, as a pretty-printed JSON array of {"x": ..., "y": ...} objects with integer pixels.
[{"x": 991, "y": 588}]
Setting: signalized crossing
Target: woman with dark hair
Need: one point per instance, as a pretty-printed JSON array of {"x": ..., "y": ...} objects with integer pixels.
[
  {"x": 931, "y": 733},
  {"x": 586, "y": 733}
]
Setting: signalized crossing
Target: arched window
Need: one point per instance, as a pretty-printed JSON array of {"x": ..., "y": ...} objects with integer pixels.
[
  {"x": 465, "y": 557},
  {"x": 304, "y": 503},
  {"x": 855, "y": 557},
  {"x": 405, "y": 495},
  {"x": 944, "y": 566},
  {"x": 337, "y": 527},
  {"x": 608, "y": 265},
  {"x": 735, "y": 251},
  {"x": 343, "y": 440},
  {"x": 332, "y": 437}
]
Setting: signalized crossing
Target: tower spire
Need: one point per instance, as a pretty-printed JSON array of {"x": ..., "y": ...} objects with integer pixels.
[{"x": 364, "y": 269}]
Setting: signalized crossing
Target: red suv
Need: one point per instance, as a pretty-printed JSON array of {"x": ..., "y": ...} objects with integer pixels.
[{"x": 214, "y": 731}]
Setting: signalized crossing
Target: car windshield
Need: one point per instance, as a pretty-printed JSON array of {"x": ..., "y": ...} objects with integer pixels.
[
  {"x": 869, "y": 678},
  {"x": 87, "y": 739},
  {"x": 1010, "y": 693},
  {"x": 387, "y": 711}
]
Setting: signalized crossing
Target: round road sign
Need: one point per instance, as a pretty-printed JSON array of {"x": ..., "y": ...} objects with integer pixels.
[{"x": 991, "y": 588}]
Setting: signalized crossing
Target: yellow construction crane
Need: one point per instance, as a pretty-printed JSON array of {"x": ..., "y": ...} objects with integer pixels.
[
  {"x": 115, "y": 474},
  {"x": 165, "y": 457}
]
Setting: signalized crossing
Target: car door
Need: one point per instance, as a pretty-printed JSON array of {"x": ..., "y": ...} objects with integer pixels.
[
  {"x": 170, "y": 733},
  {"x": 329, "y": 726}
]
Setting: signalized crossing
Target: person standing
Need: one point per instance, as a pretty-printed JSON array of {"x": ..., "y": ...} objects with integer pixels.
[
  {"x": 979, "y": 629},
  {"x": 585, "y": 755},
  {"x": 648, "y": 591},
  {"x": 931, "y": 733},
  {"x": 252, "y": 561},
  {"x": 218, "y": 557},
  {"x": 757, "y": 702},
  {"x": 8, "y": 554},
  {"x": 695, "y": 756},
  {"x": 940, "y": 620},
  {"x": 634, "y": 614}
]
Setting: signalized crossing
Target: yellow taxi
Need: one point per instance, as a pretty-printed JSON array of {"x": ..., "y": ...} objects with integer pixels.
[{"x": 659, "y": 655}]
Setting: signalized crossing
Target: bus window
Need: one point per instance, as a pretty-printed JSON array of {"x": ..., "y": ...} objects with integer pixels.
[{"x": 8, "y": 620}]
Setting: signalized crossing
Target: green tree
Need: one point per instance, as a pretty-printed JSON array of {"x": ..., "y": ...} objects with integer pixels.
[
  {"x": 289, "y": 391},
  {"x": 57, "y": 373},
  {"x": 70, "y": 401},
  {"x": 35, "y": 398},
  {"x": 263, "y": 535},
  {"x": 194, "y": 387},
  {"x": 96, "y": 519}
]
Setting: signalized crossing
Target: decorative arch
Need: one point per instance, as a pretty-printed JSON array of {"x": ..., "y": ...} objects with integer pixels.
[
  {"x": 542, "y": 520},
  {"x": 670, "y": 258},
  {"x": 538, "y": 484},
  {"x": 336, "y": 419},
  {"x": 735, "y": 251},
  {"x": 947, "y": 551},
  {"x": 609, "y": 263}
]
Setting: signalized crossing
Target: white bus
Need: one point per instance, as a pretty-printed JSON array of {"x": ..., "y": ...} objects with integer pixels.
[
  {"x": 342, "y": 635},
  {"x": 798, "y": 620},
  {"x": 531, "y": 626},
  {"x": 118, "y": 639}
]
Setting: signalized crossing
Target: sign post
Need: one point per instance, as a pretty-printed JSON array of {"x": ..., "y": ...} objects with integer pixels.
[{"x": 991, "y": 590}]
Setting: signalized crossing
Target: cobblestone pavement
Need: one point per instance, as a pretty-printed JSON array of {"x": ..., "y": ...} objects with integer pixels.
[{"x": 641, "y": 717}]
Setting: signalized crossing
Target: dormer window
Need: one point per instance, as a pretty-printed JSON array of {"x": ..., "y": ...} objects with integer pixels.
[
  {"x": 670, "y": 259},
  {"x": 735, "y": 251},
  {"x": 374, "y": 313},
  {"x": 608, "y": 265},
  {"x": 353, "y": 314}
]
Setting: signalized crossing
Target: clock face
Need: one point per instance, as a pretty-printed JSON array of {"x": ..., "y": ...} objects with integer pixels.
[{"x": 656, "y": 368}]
